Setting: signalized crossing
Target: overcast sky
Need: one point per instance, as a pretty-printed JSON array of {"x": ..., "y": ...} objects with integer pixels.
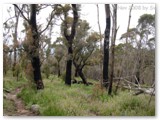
[{"x": 89, "y": 13}]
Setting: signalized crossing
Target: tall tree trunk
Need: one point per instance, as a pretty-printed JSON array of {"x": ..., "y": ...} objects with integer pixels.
[
  {"x": 101, "y": 48},
  {"x": 114, "y": 32},
  {"x": 106, "y": 46},
  {"x": 70, "y": 39},
  {"x": 129, "y": 20},
  {"x": 34, "y": 54}
]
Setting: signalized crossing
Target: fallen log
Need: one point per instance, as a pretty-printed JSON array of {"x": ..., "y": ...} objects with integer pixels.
[{"x": 150, "y": 91}]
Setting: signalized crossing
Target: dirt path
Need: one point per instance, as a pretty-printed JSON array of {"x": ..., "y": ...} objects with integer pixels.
[{"x": 20, "y": 107}]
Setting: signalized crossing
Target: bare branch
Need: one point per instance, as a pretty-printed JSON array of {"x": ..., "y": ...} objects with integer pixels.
[
  {"x": 129, "y": 22},
  {"x": 21, "y": 12},
  {"x": 48, "y": 23},
  {"x": 8, "y": 19}
]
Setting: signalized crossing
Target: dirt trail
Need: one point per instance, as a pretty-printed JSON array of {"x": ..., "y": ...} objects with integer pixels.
[{"x": 20, "y": 107}]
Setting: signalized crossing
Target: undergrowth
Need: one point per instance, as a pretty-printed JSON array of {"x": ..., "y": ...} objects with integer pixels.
[{"x": 57, "y": 99}]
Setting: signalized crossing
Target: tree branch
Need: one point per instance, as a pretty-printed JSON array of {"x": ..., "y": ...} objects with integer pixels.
[
  {"x": 8, "y": 19},
  {"x": 21, "y": 12},
  {"x": 48, "y": 23}
]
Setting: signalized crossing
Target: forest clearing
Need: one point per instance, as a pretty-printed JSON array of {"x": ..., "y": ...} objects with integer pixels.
[{"x": 59, "y": 61}]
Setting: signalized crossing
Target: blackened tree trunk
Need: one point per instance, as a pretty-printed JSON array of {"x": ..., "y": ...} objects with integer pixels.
[
  {"x": 34, "y": 52},
  {"x": 69, "y": 65},
  {"x": 106, "y": 47},
  {"x": 80, "y": 72},
  {"x": 59, "y": 71},
  {"x": 70, "y": 40}
]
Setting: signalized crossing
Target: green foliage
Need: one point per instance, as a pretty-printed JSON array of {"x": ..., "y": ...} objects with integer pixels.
[
  {"x": 146, "y": 19},
  {"x": 80, "y": 100}
]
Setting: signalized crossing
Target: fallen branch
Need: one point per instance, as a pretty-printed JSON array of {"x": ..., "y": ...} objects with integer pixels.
[{"x": 149, "y": 91}]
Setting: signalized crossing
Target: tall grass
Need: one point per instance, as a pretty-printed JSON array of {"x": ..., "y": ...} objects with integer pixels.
[{"x": 57, "y": 99}]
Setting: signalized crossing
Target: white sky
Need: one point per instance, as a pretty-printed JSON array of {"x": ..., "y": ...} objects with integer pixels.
[
  {"x": 89, "y": 13},
  {"x": 90, "y": 10}
]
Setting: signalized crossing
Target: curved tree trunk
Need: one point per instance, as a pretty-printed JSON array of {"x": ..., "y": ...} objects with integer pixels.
[{"x": 82, "y": 76}]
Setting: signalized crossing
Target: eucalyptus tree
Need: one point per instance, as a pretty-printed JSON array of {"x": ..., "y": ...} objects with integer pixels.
[
  {"x": 32, "y": 42},
  {"x": 82, "y": 53},
  {"x": 68, "y": 31}
]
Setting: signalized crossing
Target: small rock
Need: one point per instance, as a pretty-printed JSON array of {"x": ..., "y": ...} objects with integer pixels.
[{"x": 35, "y": 108}]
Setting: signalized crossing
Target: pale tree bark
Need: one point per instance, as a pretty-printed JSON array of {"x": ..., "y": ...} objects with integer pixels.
[
  {"x": 101, "y": 52},
  {"x": 114, "y": 33},
  {"x": 129, "y": 20}
]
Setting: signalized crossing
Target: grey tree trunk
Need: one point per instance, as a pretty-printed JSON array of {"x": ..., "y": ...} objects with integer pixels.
[{"x": 114, "y": 33}]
